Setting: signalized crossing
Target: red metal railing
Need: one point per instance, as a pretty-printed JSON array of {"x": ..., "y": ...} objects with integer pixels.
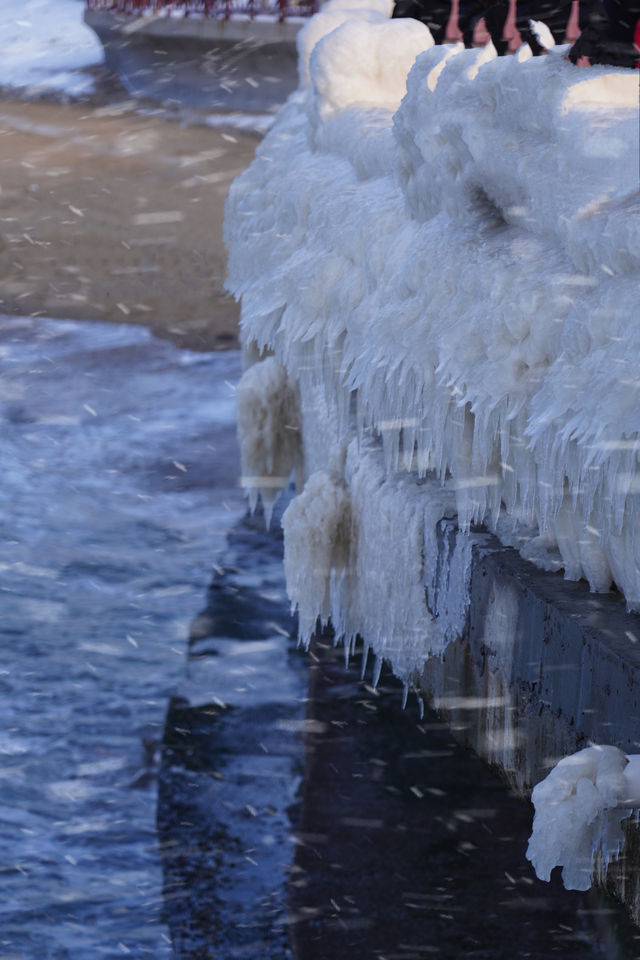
[{"x": 219, "y": 9}]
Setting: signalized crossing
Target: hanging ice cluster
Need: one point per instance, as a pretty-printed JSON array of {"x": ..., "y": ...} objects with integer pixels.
[
  {"x": 580, "y": 807},
  {"x": 361, "y": 554},
  {"x": 268, "y": 413},
  {"x": 317, "y": 537},
  {"x": 454, "y": 273}
]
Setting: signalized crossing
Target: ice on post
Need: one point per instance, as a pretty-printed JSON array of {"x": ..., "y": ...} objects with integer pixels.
[
  {"x": 580, "y": 807},
  {"x": 466, "y": 260}
]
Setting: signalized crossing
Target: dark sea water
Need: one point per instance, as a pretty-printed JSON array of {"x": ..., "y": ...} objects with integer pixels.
[
  {"x": 118, "y": 483},
  {"x": 176, "y": 778}
]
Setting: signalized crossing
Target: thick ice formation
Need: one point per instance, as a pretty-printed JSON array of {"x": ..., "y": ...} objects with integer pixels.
[
  {"x": 466, "y": 263},
  {"x": 269, "y": 432},
  {"x": 580, "y": 807},
  {"x": 317, "y": 532}
]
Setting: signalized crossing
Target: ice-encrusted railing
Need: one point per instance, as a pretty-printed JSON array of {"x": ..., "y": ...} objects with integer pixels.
[
  {"x": 467, "y": 260},
  {"x": 453, "y": 239}
]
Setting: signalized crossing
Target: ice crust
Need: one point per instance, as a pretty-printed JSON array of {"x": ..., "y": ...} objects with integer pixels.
[
  {"x": 580, "y": 807},
  {"x": 268, "y": 411},
  {"x": 317, "y": 540},
  {"x": 455, "y": 273}
]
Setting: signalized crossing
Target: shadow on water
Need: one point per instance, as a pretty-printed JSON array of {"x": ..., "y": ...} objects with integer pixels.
[
  {"x": 305, "y": 815},
  {"x": 232, "y": 763}
]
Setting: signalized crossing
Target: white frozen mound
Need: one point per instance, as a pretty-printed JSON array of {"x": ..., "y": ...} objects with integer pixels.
[
  {"x": 366, "y": 63},
  {"x": 579, "y": 808},
  {"x": 317, "y": 541},
  {"x": 333, "y": 15},
  {"x": 468, "y": 267},
  {"x": 269, "y": 432}
]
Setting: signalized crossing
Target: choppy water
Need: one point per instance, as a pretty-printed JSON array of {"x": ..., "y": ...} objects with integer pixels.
[{"x": 118, "y": 484}]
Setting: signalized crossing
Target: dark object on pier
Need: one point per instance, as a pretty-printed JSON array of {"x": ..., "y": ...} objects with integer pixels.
[
  {"x": 436, "y": 13},
  {"x": 433, "y": 13},
  {"x": 608, "y": 30},
  {"x": 495, "y": 16}
]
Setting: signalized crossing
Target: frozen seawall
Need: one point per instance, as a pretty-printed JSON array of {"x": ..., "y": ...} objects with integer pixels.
[{"x": 438, "y": 257}]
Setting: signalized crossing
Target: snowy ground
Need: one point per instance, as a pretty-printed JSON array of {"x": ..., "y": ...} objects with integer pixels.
[{"x": 46, "y": 48}]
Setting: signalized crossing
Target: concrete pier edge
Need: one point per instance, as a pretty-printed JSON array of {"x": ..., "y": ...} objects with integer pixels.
[
  {"x": 205, "y": 29},
  {"x": 202, "y": 63},
  {"x": 542, "y": 669}
]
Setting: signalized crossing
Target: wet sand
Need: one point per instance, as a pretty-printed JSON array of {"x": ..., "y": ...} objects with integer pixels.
[{"x": 109, "y": 215}]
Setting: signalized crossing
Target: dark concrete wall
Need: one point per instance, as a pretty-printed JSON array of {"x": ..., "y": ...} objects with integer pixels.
[{"x": 542, "y": 669}]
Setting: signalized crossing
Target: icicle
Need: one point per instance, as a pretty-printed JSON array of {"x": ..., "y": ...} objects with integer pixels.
[
  {"x": 377, "y": 670},
  {"x": 347, "y": 653},
  {"x": 269, "y": 432},
  {"x": 405, "y": 694},
  {"x": 317, "y": 542},
  {"x": 544, "y": 371},
  {"x": 365, "y": 657}
]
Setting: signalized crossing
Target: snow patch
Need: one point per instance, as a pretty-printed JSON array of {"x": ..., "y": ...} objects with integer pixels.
[{"x": 45, "y": 47}]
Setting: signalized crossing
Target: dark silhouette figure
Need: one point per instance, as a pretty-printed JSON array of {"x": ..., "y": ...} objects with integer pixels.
[
  {"x": 495, "y": 15},
  {"x": 433, "y": 13},
  {"x": 607, "y": 36}
]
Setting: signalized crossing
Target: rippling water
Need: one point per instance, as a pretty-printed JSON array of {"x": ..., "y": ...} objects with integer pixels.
[{"x": 118, "y": 485}]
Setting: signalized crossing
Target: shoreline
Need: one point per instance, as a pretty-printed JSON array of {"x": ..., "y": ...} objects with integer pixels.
[{"x": 112, "y": 213}]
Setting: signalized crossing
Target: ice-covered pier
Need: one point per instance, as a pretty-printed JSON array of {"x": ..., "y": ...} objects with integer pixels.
[{"x": 438, "y": 256}]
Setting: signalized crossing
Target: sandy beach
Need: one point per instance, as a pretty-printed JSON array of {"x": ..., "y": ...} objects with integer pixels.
[{"x": 106, "y": 214}]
